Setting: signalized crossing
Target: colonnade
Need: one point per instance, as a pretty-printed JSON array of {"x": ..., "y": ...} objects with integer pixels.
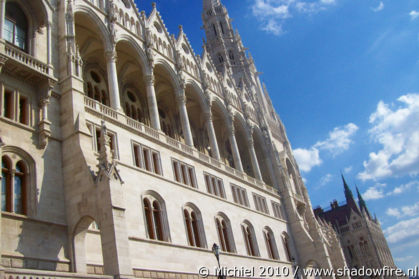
[{"x": 181, "y": 101}]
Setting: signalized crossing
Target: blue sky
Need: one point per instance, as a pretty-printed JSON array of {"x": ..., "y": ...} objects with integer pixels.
[{"x": 344, "y": 77}]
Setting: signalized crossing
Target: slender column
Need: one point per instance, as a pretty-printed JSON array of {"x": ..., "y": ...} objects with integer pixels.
[
  {"x": 152, "y": 102},
  {"x": 113, "y": 79},
  {"x": 253, "y": 158},
  {"x": 49, "y": 48},
  {"x": 234, "y": 148},
  {"x": 2, "y": 17},
  {"x": 212, "y": 137},
  {"x": 186, "y": 128}
]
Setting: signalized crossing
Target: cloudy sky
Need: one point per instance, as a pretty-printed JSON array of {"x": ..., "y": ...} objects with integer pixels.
[{"x": 344, "y": 77}]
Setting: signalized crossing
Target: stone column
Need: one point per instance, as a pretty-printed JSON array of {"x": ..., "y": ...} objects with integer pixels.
[
  {"x": 253, "y": 158},
  {"x": 186, "y": 128},
  {"x": 234, "y": 147},
  {"x": 49, "y": 44},
  {"x": 2, "y": 17},
  {"x": 211, "y": 135},
  {"x": 113, "y": 80},
  {"x": 152, "y": 102}
]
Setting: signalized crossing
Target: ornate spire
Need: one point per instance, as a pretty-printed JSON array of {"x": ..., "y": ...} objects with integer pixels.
[
  {"x": 361, "y": 202},
  {"x": 348, "y": 192},
  {"x": 349, "y": 196},
  {"x": 208, "y": 4}
]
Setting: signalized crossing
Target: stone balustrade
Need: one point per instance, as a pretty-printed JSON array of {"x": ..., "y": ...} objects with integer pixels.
[
  {"x": 103, "y": 111},
  {"x": 26, "y": 59}
]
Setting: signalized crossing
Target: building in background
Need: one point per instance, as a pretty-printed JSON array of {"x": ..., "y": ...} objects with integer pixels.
[
  {"x": 360, "y": 233},
  {"x": 126, "y": 154}
]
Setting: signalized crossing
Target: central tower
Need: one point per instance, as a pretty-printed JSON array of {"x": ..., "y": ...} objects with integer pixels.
[{"x": 225, "y": 45}]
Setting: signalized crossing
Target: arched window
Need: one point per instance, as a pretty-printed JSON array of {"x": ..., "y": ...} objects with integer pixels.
[
  {"x": 194, "y": 227},
  {"x": 155, "y": 219},
  {"x": 250, "y": 239},
  {"x": 165, "y": 123},
  {"x": 220, "y": 58},
  {"x": 225, "y": 234},
  {"x": 363, "y": 245},
  {"x": 293, "y": 178},
  {"x": 133, "y": 106},
  {"x": 214, "y": 29},
  {"x": 285, "y": 241},
  {"x": 6, "y": 182},
  {"x": 231, "y": 55},
  {"x": 15, "y": 26},
  {"x": 270, "y": 243},
  {"x": 222, "y": 27},
  {"x": 14, "y": 187},
  {"x": 95, "y": 87}
]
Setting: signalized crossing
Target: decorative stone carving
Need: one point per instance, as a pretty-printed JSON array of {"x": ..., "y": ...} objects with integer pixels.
[
  {"x": 44, "y": 125},
  {"x": 149, "y": 41},
  {"x": 112, "y": 18}
]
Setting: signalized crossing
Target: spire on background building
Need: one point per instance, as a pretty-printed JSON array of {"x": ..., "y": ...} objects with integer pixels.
[
  {"x": 361, "y": 202},
  {"x": 349, "y": 196},
  {"x": 348, "y": 192}
]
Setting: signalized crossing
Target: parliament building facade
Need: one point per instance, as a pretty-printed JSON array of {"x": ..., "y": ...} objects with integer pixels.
[{"x": 124, "y": 154}]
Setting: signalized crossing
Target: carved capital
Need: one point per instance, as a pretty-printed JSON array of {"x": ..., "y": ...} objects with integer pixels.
[
  {"x": 208, "y": 116},
  {"x": 250, "y": 141},
  {"x": 111, "y": 55},
  {"x": 181, "y": 97},
  {"x": 149, "y": 79}
]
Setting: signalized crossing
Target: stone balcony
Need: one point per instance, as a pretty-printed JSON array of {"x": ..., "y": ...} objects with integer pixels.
[
  {"x": 105, "y": 112},
  {"x": 23, "y": 65}
]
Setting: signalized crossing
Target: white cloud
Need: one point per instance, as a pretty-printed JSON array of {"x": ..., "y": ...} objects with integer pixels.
[
  {"x": 403, "y": 188},
  {"x": 403, "y": 259},
  {"x": 393, "y": 212},
  {"x": 373, "y": 193},
  {"x": 414, "y": 14},
  {"x": 347, "y": 169},
  {"x": 307, "y": 159},
  {"x": 404, "y": 211},
  {"x": 402, "y": 230},
  {"x": 325, "y": 179},
  {"x": 339, "y": 140},
  {"x": 380, "y": 7},
  {"x": 273, "y": 13},
  {"x": 397, "y": 131}
]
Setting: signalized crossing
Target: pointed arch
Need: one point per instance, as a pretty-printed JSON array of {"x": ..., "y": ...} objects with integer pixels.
[
  {"x": 194, "y": 225},
  {"x": 21, "y": 191},
  {"x": 197, "y": 106},
  {"x": 172, "y": 75},
  {"x": 220, "y": 118},
  {"x": 249, "y": 237},
  {"x": 141, "y": 56},
  {"x": 242, "y": 138},
  {"x": 293, "y": 177},
  {"x": 92, "y": 16},
  {"x": 262, "y": 156},
  {"x": 155, "y": 216}
]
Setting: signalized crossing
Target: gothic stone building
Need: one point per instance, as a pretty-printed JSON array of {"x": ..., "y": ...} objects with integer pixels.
[
  {"x": 126, "y": 154},
  {"x": 360, "y": 234}
]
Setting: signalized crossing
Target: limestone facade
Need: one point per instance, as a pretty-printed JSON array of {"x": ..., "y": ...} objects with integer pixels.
[{"x": 125, "y": 154}]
